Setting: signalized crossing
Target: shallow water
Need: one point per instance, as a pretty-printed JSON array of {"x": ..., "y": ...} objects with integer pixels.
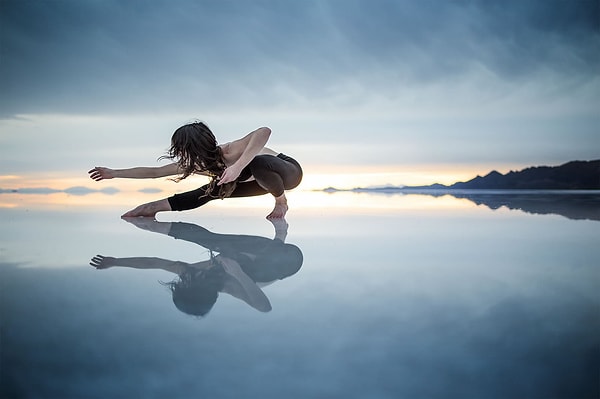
[{"x": 419, "y": 296}]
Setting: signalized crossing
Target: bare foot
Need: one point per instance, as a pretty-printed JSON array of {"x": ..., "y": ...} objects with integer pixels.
[
  {"x": 280, "y": 209},
  {"x": 145, "y": 210},
  {"x": 148, "y": 210}
]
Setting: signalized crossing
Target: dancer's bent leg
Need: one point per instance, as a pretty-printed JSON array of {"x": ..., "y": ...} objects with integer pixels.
[
  {"x": 178, "y": 202},
  {"x": 276, "y": 174},
  {"x": 190, "y": 199},
  {"x": 197, "y": 198}
]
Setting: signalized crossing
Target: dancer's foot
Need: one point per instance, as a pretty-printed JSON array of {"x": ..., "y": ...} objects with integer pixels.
[
  {"x": 148, "y": 210},
  {"x": 280, "y": 209}
]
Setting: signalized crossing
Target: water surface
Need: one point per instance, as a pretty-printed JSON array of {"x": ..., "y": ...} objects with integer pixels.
[{"x": 419, "y": 296}]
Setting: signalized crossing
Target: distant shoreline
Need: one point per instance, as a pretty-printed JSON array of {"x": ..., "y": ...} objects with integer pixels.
[
  {"x": 572, "y": 204},
  {"x": 574, "y": 176},
  {"x": 429, "y": 191}
]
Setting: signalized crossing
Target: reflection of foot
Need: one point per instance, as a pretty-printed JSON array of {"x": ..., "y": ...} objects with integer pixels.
[
  {"x": 141, "y": 222},
  {"x": 281, "y": 228},
  {"x": 148, "y": 210},
  {"x": 150, "y": 224},
  {"x": 280, "y": 224}
]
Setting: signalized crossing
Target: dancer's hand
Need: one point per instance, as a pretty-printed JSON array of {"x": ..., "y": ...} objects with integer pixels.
[
  {"x": 230, "y": 174},
  {"x": 102, "y": 262},
  {"x": 101, "y": 173}
]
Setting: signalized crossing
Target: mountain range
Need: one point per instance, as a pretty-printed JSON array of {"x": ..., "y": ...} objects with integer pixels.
[
  {"x": 525, "y": 190},
  {"x": 574, "y": 175}
]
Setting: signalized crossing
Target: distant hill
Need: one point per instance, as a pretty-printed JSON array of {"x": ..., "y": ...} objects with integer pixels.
[{"x": 575, "y": 175}]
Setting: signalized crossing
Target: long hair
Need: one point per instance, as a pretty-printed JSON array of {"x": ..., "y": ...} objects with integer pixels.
[
  {"x": 195, "y": 292},
  {"x": 195, "y": 149}
]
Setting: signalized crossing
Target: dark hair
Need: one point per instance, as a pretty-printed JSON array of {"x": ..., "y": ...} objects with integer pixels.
[
  {"x": 195, "y": 293},
  {"x": 195, "y": 148}
]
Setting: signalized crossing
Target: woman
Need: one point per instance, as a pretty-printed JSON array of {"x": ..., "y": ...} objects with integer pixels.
[{"x": 241, "y": 168}]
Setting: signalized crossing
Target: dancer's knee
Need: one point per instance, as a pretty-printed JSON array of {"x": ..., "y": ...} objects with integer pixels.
[
  {"x": 260, "y": 163},
  {"x": 275, "y": 174}
]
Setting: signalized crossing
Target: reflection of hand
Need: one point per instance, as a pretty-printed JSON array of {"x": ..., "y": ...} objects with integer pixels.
[
  {"x": 101, "y": 173},
  {"x": 230, "y": 174},
  {"x": 102, "y": 262}
]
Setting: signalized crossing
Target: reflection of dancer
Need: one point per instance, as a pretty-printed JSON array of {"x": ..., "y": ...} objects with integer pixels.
[
  {"x": 242, "y": 168},
  {"x": 242, "y": 262}
]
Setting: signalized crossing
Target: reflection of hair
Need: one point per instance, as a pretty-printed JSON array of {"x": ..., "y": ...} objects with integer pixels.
[
  {"x": 195, "y": 292},
  {"x": 195, "y": 148}
]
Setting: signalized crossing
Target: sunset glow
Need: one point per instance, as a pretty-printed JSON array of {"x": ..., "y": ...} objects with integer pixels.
[
  {"x": 78, "y": 190},
  {"x": 316, "y": 177}
]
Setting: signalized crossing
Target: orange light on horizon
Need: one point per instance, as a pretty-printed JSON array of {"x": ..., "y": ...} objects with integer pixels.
[
  {"x": 311, "y": 201},
  {"x": 128, "y": 193},
  {"x": 315, "y": 177}
]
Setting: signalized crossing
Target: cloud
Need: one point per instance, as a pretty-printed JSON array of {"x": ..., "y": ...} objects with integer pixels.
[
  {"x": 109, "y": 56},
  {"x": 373, "y": 82}
]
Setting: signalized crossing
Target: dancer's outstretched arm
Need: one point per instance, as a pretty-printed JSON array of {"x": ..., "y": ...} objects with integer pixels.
[{"x": 101, "y": 173}]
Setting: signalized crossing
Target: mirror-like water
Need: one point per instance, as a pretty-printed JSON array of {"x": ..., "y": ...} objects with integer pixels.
[{"x": 434, "y": 302}]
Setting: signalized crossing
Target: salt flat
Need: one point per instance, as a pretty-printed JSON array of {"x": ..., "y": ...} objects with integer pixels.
[{"x": 382, "y": 297}]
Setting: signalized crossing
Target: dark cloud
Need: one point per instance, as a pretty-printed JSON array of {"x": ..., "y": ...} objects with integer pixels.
[
  {"x": 529, "y": 36},
  {"x": 435, "y": 39},
  {"x": 111, "y": 56}
]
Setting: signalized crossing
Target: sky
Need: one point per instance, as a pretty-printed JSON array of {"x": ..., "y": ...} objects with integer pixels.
[{"x": 361, "y": 92}]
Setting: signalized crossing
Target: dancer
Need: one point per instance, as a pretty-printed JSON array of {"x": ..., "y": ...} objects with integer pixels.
[{"x": 241, "y": 168}]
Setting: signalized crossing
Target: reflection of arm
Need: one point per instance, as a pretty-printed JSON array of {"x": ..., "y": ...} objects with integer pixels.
[
  {"x": 144, "y": 263},
  {"x": 242, "y": 287}
]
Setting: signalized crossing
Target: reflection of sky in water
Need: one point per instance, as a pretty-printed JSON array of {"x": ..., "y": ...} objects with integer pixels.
[{"x": 458, "y": 302}]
